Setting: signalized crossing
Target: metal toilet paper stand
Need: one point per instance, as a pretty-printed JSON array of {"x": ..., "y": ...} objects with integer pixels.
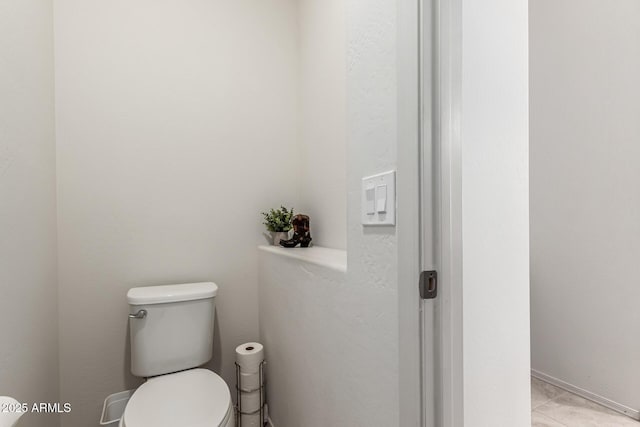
[{"x": 240, "y": 390}]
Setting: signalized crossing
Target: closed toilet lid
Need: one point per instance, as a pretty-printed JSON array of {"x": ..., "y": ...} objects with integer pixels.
[{"x": 194, "y": 398}]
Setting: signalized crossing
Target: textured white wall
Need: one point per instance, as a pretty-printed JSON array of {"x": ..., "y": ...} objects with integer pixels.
[
  {"x": 372, "y": 63},
  {"x": 28, "y": 290},
  {"x": 372, "y": 134},
  {"x": 585, "y": 205},
  {"x": 322, "y": 50},
  {"x": 329, "y": 347},
  {"x": 176, "y": 127},
  {"x": 317, "y": 350},
  {"x": 494, "y": 137},
  {"x": 334, "y": 336}
]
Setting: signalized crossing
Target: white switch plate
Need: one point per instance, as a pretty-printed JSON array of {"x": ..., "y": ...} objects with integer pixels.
[{"x": 388, "y": 217}]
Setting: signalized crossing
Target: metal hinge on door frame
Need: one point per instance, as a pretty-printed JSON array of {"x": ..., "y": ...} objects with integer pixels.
[{"x": 428, "y": 284}]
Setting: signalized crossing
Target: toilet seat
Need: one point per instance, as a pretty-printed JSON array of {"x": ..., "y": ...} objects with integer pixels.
[{"x": 193, "y": 398}]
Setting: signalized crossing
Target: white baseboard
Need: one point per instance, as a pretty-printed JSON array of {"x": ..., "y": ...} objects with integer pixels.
[{"x": 625, "y": 410}]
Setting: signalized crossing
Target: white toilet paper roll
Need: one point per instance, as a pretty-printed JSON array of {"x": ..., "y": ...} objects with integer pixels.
[
  {"x": 249, "y": 356},
  {"x": 250, "y": 381},
  {"x": 252, "y": 420},
  {"x": 250, "y": 401}
]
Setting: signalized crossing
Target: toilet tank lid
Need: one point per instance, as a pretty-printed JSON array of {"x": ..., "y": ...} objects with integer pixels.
[{"x": 171, "y": 293}]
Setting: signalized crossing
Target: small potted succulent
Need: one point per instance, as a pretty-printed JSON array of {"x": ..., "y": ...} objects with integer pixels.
[{"x": 278, "y": 223}]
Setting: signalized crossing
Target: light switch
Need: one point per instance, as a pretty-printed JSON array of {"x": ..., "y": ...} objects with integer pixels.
[
  {"x": 381, "y": 199},
  {"x": 370, "y": 200}
]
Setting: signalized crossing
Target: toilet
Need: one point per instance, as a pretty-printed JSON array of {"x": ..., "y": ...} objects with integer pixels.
[
  {"x": 10, "y": 411},
  {"x": 171, "y": 337}
]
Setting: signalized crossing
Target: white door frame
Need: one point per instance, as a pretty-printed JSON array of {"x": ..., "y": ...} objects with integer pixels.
[
  {"x": 429, "y": 193},
  {"x": 444, "y": 47},
  {"x": 430, "y": 68},
  {"x": 408, "y": 213}
]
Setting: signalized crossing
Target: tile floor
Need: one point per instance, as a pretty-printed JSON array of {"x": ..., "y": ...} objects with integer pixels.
[{"x": 554, "y": 407}]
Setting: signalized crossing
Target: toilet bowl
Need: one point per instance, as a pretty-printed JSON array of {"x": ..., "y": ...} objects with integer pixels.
[
  {"x": 10, "y": 411},
  {"x": 192, "y": 398}
]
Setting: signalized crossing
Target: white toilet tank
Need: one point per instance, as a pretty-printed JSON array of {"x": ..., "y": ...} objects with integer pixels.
[{"x": 171, "y": 327}]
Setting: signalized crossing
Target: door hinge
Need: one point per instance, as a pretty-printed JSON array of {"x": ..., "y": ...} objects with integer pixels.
[{"x": 428, "y": 284}]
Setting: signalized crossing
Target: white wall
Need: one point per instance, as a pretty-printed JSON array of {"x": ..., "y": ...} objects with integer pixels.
[
  {"x": 495, "y": 213},
  {"x": 176, "y": 127},
  {"x": 585, "y": 205},
  {"x": 345, "y": 372},
  {"x": 371, "y": 148},
  {"x": 322, "y": 50},
  {"x": 321, "y": 339},
  {"x": 372, "y": 95},
  {"x": 28, "y": 290},
  {"x": 327, "y": 344}
]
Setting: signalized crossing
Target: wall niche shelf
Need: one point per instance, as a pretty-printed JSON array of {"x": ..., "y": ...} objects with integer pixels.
[{"x": 335, "y": 259}]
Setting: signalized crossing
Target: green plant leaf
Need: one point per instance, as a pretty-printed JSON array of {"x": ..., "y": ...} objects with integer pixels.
[{"x": 278, "y": 220}]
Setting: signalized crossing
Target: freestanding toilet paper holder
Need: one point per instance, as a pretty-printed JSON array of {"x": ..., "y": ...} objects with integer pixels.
[{"x": 240, "y": 390}]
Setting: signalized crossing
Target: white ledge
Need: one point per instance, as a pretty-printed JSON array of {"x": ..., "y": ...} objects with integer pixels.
[{"x": 334, "y": 259}]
